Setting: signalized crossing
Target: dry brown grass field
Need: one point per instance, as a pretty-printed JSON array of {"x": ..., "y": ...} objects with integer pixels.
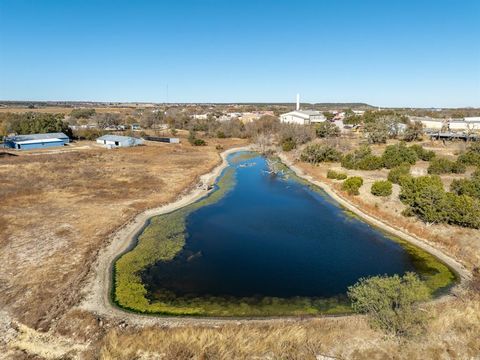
[
  {"x": 65, "y": 110},
  {"x": 57, "y": 210}
]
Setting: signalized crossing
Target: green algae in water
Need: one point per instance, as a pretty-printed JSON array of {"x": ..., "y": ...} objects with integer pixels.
[{"x": 164, "y": 239}]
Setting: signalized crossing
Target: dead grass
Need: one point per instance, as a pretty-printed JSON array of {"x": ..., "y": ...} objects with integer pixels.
[
  {"x": 64, "y": 110},
  {"x": 452, "y": 334},
  {"x": 60, "y": 208}
]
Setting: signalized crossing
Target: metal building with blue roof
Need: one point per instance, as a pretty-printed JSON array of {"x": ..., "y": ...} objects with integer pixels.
[{"x": 36, "y": 141}]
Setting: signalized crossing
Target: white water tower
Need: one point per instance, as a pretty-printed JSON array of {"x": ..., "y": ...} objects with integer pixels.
[{"x": 298, "y": 102}]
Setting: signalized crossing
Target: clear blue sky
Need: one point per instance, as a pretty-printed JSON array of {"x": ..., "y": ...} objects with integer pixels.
[{"x": 388, "y": 53}]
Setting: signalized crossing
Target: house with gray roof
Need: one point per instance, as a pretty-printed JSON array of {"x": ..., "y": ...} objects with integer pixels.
[
  {"x": 303, "y": 117},
  {"x": 36, "y": 141},
  {"x": 115, "y": 141}
]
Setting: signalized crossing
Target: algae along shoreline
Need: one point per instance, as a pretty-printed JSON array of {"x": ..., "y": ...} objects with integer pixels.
[{"x": 169, "y": 269}]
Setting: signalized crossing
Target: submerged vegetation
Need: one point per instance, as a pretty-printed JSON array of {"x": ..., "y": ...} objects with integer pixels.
[{"x": 164, "y": 237}]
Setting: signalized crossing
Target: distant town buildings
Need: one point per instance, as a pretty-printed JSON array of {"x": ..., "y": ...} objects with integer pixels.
[
  {"x": 244, "y": 117},
  {"x": 466, "y": 124},
  {"x": 302, "y": 117}
]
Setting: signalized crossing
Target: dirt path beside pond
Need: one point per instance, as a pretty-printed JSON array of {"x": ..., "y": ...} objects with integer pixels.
[
  {"x": 97, "y": 290},
  {"x": 96, "y": 293},
  {"x": 426, "y": 245}
]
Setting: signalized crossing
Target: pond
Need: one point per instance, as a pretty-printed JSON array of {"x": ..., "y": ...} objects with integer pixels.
[{"x": 267, "y": 244}]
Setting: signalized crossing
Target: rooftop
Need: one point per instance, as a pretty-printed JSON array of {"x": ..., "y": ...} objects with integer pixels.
[
  {"x": 29, "y": 137},
  {"x": 119, "y": 138}
]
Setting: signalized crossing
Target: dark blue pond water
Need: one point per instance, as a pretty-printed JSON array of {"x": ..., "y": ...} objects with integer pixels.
[{"x": 271, "y": 236}]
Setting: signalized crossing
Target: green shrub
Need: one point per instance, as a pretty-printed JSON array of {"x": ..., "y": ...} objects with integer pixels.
[
  {"x": 199, "y": 142},
  {"x": 426, "y": 198},
  {"x": 382, "y": 188},
  {"x": 462, "y": 210},
  {"x": 331, "y": 174},
  {"x": 352, "y": 185},
  {"x": 398, "y": 173},
  {"x": 193, "y": 140},
  {"x": 476, "y": 174},
  {"x": 398, "y": 154},
  {"x": 362, "y": 159},
  {"x": 88, "y": 134},
  {"x": 425, "y": 155},
  {"x": 221, "y": 135},
  {"x": 391, "y": 302},
  {"x": 327, "y": 129},
  {"x": 34, "y": 123},
  {"x": 377, "y": 132},
  {"x": 471, "y": 156},
  {"x": 370, "y": 162},
  {"x": 470, "y": 187},
  {"x": 317, "y": 153},
  {"x": 82, "y": 113},
  {"x": 445, "y": 166},
  {"x": 288, "y": 144}
]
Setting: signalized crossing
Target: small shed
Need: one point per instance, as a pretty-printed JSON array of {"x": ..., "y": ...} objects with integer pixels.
[
  {"x": 163, "y": 139},
  {"x": 36, "y": 141},
  {"x": 114, "y": 141}
]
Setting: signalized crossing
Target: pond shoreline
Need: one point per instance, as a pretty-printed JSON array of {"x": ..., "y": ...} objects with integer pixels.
[
  {"x": 462, "y": 273},
  {"x": 97, "y": 292}
]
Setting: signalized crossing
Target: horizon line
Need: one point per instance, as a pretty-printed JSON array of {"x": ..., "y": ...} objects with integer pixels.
[{"x": 238, "y": 103}]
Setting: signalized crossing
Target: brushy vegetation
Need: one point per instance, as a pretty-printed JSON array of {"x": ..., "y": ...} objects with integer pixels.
[
  {"x": 82, "y": 113},
  {"x": 425, "y": 155},
  {"x": 193, "y": 140},
  {"x": 88, "y": 134},
  {"x": 452, "y": 332},
  {"x": 327, "y": 129},
  {"x": 395, "y": 155},
  {"x": 332, "y": 174},
  {"x": 317, "y": 153},
  {"x": 396, "y": 174},
  {"x": 471, "y": 156},
  {"x": 288, "y": 144},
  {"x": 33, "y": 123},
  {"x": 392, "y": 303},
  {"x": 352, "y": 185},
  {"x": 470, "y": 187},
  {"x": 381, "y": 188},
  {"x": 445, "y": 166},
  {"x": 362, "y": 159},
  {"x": 427, "y": 199}
]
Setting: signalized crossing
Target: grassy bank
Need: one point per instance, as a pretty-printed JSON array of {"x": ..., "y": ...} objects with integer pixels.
[{"x": 164, "y": 237}]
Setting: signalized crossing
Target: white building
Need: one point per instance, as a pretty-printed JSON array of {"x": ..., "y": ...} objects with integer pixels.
[
  {"x": 302, "y": 117},
  {"x": 474, "y": 119},
  {"x": 464, "y": 125},
  {"x": 467, "y": 124},
  {"x": 430, "y": 123},
  {"x": 114, "y": 141}
]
